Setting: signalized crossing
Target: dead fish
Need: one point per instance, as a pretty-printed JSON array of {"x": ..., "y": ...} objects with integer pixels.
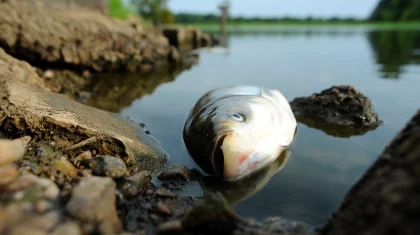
[{"x": 234, "y": 131}]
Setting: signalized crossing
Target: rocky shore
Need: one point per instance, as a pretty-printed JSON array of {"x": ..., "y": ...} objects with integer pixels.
[{"x": 69, "y": 168}]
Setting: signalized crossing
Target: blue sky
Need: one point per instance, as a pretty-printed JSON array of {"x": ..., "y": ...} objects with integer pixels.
[{"x": 300, "y": 8}]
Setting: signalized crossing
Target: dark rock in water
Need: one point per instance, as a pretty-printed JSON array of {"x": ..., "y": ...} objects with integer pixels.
[
  {"x": 93, "y": 201},
  {"x": 108, "y": 166},
  {"x": 29, "y": 108},
  {"x": 175, "y": 173},
  {"x": 386, "y": 199},
  {"x": 335, "y": 108},
  {"x": 210, "y": 216}
]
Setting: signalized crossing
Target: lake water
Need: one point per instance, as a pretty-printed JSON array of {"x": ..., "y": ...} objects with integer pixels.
[{"x": 384, "y": 64}]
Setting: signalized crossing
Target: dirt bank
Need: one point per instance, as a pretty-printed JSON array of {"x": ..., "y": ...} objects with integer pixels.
[{"x": 72, "y": 37}]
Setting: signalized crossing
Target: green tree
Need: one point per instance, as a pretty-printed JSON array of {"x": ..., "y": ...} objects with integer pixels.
[
  {"x": 150, "y": 9},
  {"x": 117, "y": 9},
  {"x": 166, "y": 17}
]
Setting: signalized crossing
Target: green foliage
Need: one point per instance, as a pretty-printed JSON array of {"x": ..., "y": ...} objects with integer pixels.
[
  {"x": 188, "y": 18},
  {"x": 118, "y": 10},
  {"x": 166, "y": 17},
  {"x": 397, "y": 10},
  {"x": 150, "y": 9}
]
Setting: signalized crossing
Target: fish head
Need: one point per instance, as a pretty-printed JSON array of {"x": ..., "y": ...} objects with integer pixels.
[{"x": 246, "y": 133}]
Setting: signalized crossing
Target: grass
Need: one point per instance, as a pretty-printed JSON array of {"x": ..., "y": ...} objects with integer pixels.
[{"x": 119, "y": 10}]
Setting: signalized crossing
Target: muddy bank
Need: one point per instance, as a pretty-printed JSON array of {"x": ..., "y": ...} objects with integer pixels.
[
  {"x": 187, "y": 38},
  {"x": 61, "y": 36}
]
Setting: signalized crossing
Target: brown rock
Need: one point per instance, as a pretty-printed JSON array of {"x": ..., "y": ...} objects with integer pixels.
[
  {"x": 7, "y": 174},
  {"x": 108, "y": 166},
  {"x": 65, "y": 167},
  {"x": 93, "y": 201}
]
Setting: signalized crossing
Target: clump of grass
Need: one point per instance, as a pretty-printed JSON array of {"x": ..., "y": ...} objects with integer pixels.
[{"x": 118, "y": 9}]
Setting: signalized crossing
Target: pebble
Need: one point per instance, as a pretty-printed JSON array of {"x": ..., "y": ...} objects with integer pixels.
[
  {"x": 87, "y": 155},
  {"x": 68, "y": 228},
  {"x": 108, "y": 166},
  {"x": 163, "y": 192},
  {"x": 164, "y": 208},
  {"x": 65, "y": 167},
  {"x": 12, "y": 150},
  {"x": 48, "y": 74},
  {"x": 140, "y": 179},
  {"x": 7, "y": 174},
  {"x": 41, "y": 206},
  {"x": 176, "y": 172}
]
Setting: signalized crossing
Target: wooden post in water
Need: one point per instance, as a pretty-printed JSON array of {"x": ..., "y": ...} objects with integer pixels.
[{"x": 224, "y": 8}]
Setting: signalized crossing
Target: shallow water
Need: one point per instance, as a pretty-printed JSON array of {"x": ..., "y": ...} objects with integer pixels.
[{"x": 384, "y": 64}]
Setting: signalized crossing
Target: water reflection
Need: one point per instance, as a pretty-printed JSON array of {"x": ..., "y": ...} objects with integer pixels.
[
  {"x": 334, "y": 130},
  {"x": 238, "y": 191},
  {"x": 113, "y": 92},
  {"x": 394, "y": 49}
]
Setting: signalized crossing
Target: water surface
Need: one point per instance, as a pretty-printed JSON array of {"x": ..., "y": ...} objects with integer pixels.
[{"x": 382, "y": 63}]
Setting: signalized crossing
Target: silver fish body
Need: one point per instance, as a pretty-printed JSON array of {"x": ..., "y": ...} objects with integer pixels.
[{"x": 234, "y": 131}]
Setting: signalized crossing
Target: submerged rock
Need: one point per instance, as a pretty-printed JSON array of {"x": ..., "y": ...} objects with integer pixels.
[
  {"x": 30, "y": 109},
  {"x": 175, "y": 173},
  {"x": 93, "y": 200},
  {"x": 340, "y": 111},
  {"x": 385, "y": 199}
]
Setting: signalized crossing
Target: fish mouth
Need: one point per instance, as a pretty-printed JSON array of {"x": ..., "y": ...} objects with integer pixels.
[{"x": 218, "y": 160}]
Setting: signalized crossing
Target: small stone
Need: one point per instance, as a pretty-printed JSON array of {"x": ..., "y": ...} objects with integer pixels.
[
  {"x": 65, "y": 167},
  {"x": 41, "y": 206},
  {"x": 176, "y": 172},
  {"x": 94, "y": 152},
  {"x": 7, "y": 174},
  {"x": 87, "y": 155},
  {"x": 49, "y": 189},
  {"x": 170, "y": 227},
  {"x": 164, "y": 208},
  {"x": 12, "y": 150},
  {"x": 108, "y": 166},
  {"x": 140, "y": 179},
  {"x": 49, "y": 74},
  {"x": 163, "y": 192},
  {"x": 68, "y": 228},
  {"x": 86, "y": 74},
  {"x": 149, "y": 192},
  {"x": 93, "y": 200}
]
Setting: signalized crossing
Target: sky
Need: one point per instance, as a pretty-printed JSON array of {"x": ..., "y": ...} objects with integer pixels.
[{"x": 267, "y": 8}]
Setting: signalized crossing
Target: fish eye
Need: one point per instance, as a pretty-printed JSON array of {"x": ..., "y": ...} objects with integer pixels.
[{"x": 238, "y": 117}]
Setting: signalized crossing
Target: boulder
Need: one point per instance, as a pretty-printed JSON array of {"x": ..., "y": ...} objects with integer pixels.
[{"x": 28, "y": 108}]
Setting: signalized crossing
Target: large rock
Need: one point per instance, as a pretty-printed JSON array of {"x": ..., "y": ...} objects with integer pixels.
[
  {"x": 77, "y": 37},
  {"x": 28, "y": 109},
  {"x": 385, "y": 199},
  {"x": 339, "y": 111}
]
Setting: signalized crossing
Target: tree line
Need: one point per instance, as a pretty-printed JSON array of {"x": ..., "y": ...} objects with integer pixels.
[
  {"x": 396, "y": 10},
  {"x": 157, "y": 11}
]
